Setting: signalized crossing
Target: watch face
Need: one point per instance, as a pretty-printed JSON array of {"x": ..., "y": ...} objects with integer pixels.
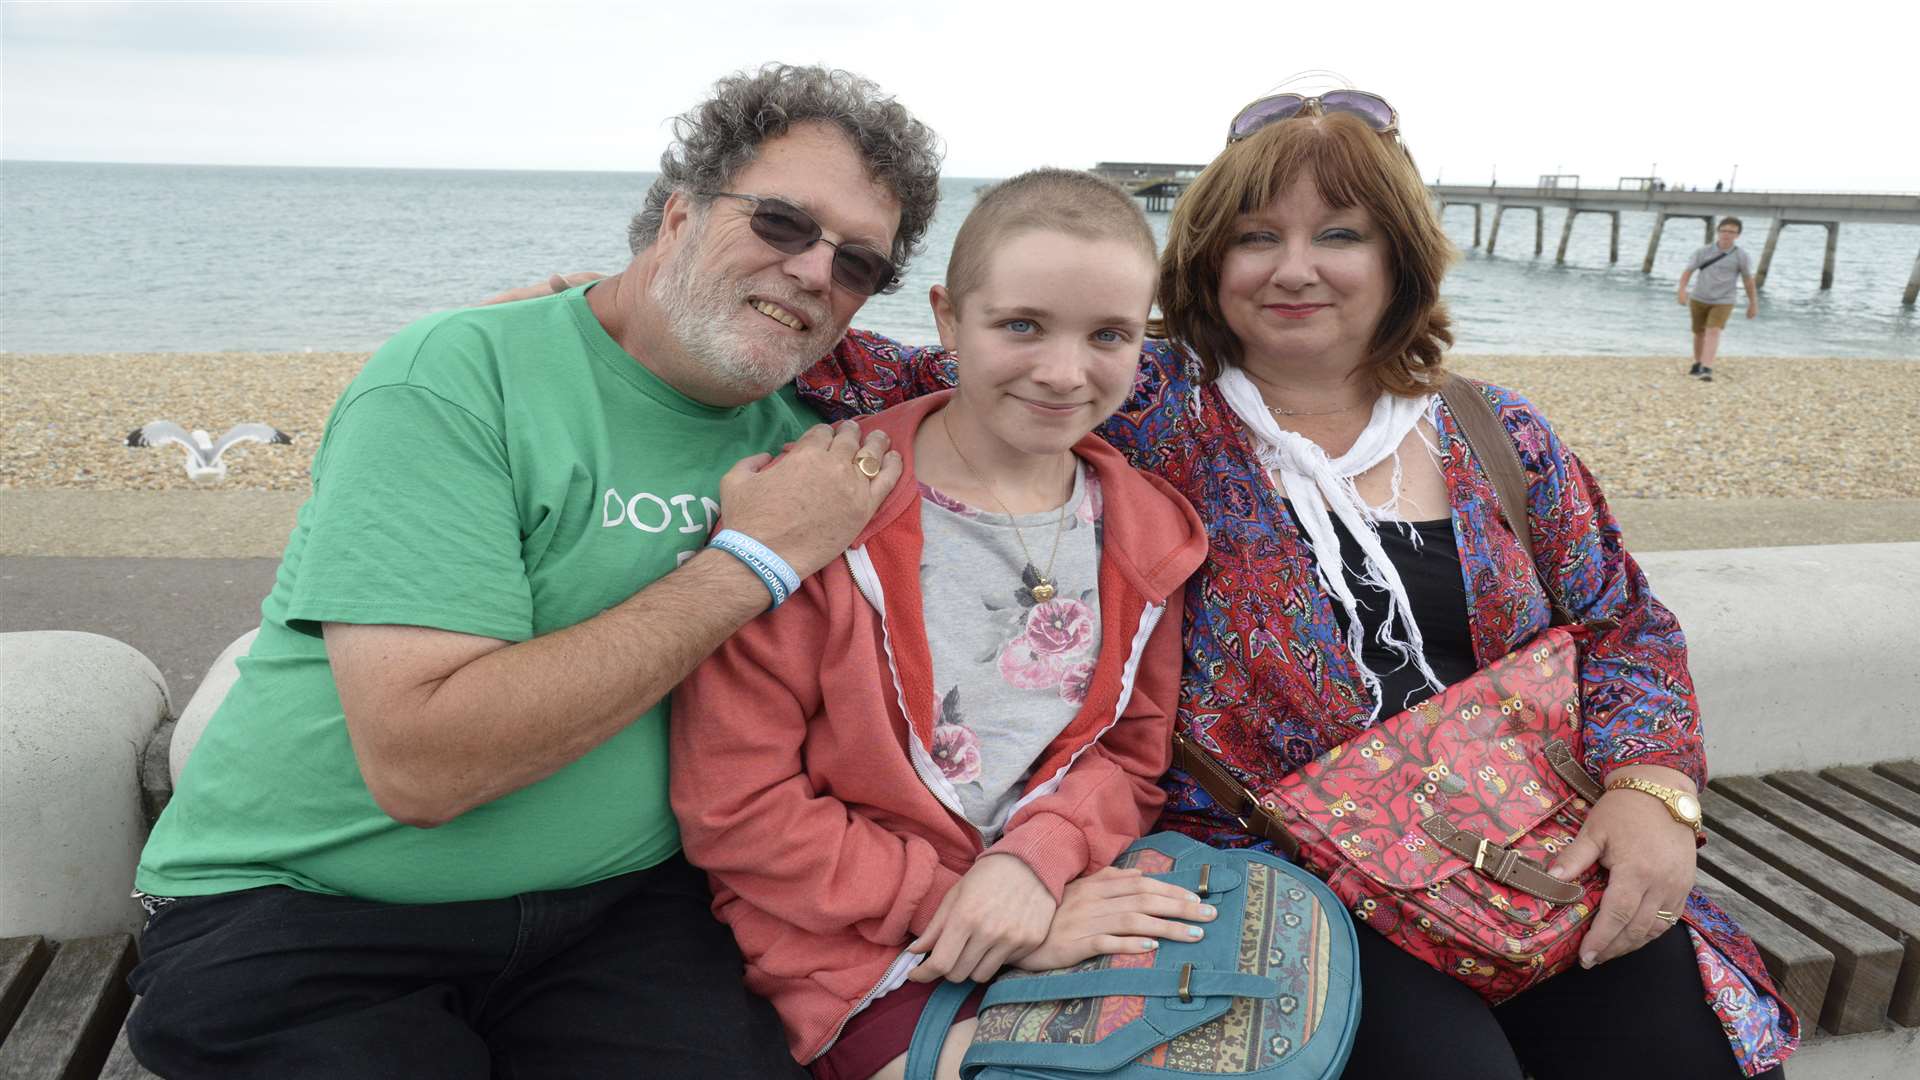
[{"x": 1688, "y": 806}]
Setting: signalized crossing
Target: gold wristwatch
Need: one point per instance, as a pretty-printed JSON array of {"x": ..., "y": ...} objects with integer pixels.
[{"x": 1683, "y": 806}]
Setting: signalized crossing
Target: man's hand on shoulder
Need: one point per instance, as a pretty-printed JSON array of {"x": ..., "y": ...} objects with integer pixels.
[
  {"x": 555, "y": 283},
  {"x": 810, "y": 504}
]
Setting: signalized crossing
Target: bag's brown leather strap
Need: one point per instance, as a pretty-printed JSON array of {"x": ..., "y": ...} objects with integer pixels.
[
  {"x": 1501, "y": 863},
  {"x": 1232, "y": 796},
  {"x": 1491, "y": 445},
  {"x": 1567, "y": 767}
]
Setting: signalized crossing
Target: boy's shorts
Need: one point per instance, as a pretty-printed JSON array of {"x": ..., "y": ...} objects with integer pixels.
[{"x": 1708, "y": 315}]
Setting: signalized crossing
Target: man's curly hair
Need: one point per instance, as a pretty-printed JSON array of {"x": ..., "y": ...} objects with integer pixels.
[{"x": 722, "y": 135}]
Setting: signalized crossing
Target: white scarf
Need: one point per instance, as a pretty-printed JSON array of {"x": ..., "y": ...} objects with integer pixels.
[{"x": 1316, "y": 484}]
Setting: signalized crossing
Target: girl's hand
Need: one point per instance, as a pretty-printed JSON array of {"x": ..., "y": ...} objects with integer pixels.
[
  {"x": 996, "y": 914},
  {"x": 1116, "y": 911}
]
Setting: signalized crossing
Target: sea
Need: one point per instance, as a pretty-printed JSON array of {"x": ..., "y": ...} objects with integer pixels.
[{"x": 106, "y": 258}]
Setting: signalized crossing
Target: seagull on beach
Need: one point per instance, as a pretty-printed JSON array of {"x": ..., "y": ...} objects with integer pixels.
[{"x": 203, "y": 454}]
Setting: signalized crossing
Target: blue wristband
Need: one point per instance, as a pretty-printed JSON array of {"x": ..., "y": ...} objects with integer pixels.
[{"x": 771, "y": 569}]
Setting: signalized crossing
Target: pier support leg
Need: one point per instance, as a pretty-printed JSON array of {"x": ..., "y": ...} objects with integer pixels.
[
  {"x": 1653, "y": 242},
  {"x": 1539, "y": 230},
  {"x": 1566, "y": 234},
  {"x": 1766, "y": 253},
  {"x": 1494, "y": 236},
  {"x": 1706, "y": 231},
  {"x": 1833, "y": 245},
  {"x": 1476, "y": 224},
  {"x": 1613, "y": 238},
  {"x": 1913, "y": 285}
]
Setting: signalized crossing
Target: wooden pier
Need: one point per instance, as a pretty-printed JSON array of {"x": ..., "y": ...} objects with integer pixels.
[
  {"x": 1828, "y": 210},
  {"x": 1159, "y": 183}
]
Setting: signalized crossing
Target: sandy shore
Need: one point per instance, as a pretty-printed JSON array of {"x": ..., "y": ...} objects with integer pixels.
[{"x": 1765, "y": 428}]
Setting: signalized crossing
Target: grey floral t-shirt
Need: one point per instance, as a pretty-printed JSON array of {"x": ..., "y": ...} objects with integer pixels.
[{"x": 1010, "y": 672}]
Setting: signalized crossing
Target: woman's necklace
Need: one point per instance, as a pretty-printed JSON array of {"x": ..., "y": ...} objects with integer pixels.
[
  {"x": 1041, "y": 587},
  {"x": 1278, "y": 411}
]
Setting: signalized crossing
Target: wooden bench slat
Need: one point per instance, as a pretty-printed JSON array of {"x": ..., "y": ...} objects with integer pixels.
[
  {"x": 1902, "y": 802},
  {"x": 1871, "y": 902},
  {"x": 1906, "y": 773},
  {"x": 1801, "y": 967},
  {"x": 1875, "y": 861},
  {"x": 68, "y": 1026},
  {"x": 22, "y": 961},
  {"x": 122, "y": 1065},
  {"x": 1865, "y": 961},
  {"x": 1842, "y": 805}
]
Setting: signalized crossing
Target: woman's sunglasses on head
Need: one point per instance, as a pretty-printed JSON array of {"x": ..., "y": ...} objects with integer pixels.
[
  {"x": 790, "y": 230},
  {"x": 1372, "y": 109}
]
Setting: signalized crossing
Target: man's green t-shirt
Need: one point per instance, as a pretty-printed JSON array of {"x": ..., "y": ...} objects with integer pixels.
[{"x": 505, "y": 472}]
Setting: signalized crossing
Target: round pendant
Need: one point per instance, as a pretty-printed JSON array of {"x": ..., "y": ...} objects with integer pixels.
[{"x": 1042, "y": 592}]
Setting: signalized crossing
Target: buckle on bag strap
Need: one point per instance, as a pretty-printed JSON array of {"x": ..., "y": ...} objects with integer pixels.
[{"x": 1500, "y": 863}]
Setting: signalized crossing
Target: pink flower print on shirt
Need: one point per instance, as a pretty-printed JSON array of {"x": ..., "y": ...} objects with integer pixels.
[
  {"x": 1075, "y": 682},
  {"x": 1060, "y": 627},
  {"x": 957, "y": 750},
  {"x": 1026, "y": 668}
]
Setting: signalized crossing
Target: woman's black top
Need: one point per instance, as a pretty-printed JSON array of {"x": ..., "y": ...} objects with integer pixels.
[{"x": 1438, "y": 595}]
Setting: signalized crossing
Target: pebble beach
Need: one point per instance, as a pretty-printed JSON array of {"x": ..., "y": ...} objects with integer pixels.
[{"x": 1765, "y": 428}]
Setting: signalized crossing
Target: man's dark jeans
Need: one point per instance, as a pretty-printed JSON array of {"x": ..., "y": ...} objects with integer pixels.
[{"x": 626, "y": 977}]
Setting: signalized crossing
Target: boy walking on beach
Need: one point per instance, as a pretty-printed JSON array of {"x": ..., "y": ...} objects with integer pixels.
[
  {"x": 1719, "y": 264},
  {"x": 427, "y": 834}
]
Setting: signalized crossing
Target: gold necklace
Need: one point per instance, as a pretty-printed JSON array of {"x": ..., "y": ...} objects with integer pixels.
[{"x": 1041, "y": 588}]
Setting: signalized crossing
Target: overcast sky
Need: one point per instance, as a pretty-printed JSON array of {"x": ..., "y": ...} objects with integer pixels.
[{"x": 1819, "y": 96}]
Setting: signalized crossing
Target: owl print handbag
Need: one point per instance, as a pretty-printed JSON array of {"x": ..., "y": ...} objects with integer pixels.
[
  {"x": 1272, "y": 992},
  {"x": 1435, "y": 826}
]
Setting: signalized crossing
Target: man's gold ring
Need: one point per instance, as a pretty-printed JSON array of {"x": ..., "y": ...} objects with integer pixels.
[
  {"x": 868, "y": 465},
  {"x": 1667, "y": 917}
]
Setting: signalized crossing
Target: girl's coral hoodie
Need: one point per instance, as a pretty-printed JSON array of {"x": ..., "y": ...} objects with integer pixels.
[{"x": 802, "y": 775}]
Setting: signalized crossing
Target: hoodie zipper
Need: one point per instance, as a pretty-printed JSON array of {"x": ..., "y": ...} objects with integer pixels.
[{"x": 867, "y": 580}]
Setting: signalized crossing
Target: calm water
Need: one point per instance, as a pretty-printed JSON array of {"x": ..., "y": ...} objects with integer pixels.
[{"x": 131, "y": 258}]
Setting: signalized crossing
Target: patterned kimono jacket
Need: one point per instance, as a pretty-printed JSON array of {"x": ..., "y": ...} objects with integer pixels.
[{"x": 1269, "y": 683}]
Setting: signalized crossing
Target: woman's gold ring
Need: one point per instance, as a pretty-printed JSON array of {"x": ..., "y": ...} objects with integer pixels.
[
  {"x": 1667, "y": 917},
  {"x": 868, "y": 465}
]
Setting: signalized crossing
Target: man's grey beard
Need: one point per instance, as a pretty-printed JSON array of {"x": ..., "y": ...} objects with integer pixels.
[{"x": 701, "y": 315}]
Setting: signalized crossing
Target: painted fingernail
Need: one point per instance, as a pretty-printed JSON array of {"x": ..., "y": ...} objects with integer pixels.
[
  {"x": 1586, "y": 960},
  {"x": 1207, "y": 911},
  {"x": 1196, "y": 933},
  {"x": 1193, "y": 898},
  {"x": 1149, "y": 943}
]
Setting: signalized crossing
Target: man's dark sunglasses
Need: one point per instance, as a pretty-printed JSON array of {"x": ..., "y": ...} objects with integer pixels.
[{"x": 787, "y": 228}]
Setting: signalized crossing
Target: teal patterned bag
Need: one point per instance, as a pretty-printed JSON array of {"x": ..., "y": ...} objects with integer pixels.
[{"x": 1278, "y": 1000}]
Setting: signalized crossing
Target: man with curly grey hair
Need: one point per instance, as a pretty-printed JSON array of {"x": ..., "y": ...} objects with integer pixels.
[{"x": 427, "y": 833}]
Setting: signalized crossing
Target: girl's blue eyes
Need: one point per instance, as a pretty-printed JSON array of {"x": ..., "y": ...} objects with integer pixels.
[{"x": 1027, "y": 328}]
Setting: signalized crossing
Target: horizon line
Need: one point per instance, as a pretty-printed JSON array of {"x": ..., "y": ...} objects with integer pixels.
[{"x": 5, "y": 158}]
